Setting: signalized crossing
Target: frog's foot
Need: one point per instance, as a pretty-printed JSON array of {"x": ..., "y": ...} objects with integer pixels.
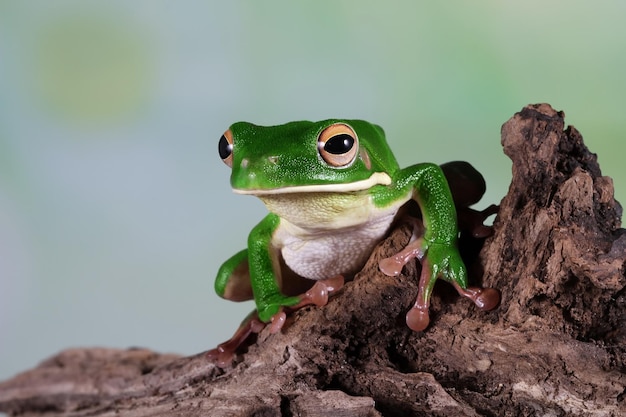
[
  {"x": 472, "y": 220},
  {"x": 393, "y": 265},
  {"x": 317, "y": 295},
  {"x": 224, "y": 353},
  {"x": 485, "y": 298},
  {"x": 418, "y": 319},
  {"x": 278, "y": 321}
]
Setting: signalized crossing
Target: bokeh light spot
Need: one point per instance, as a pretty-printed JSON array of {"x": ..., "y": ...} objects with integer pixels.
[{"x": 92, "y": 69}]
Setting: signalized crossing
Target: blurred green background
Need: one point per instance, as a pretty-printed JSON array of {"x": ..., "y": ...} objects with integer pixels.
[{"x": 115, "y": 209}]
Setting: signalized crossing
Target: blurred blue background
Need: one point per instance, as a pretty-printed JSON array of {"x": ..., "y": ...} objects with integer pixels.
[{"x": 115, "y": 209}]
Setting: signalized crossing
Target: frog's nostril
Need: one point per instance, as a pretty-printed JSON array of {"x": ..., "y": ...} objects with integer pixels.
[
  {"x": 244, "y": 163},
  {"x": 272, "y": 159}
]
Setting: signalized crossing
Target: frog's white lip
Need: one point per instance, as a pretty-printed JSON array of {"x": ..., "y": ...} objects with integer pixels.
[{"x": 377, "y": 178}]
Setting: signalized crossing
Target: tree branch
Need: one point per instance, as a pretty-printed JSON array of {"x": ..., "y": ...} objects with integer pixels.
[{"x": 555, "y": 346}]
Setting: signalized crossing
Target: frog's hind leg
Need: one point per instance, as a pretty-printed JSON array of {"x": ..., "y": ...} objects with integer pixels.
[
  {"x": 467, "y": 187},
  {"x": 224, "y": 353},
  {"x": 233, "y": 283},
  {"x": 233, "y": 278},
  {"x": 472, "y": 220}
]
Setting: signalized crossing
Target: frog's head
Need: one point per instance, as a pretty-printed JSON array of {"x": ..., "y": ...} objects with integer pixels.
[{"x": 328, "y": 156}]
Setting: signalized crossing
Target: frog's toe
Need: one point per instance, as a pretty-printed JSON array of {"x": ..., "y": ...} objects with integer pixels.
[
  {"x": 393, "y": 265},
  {"x": 318, "y": 294},
  {"x": 484, "y": 298},
  {"x": 321, "y": 290},
  {"x": 487, "y": 299},
  {"x": 222, "y": 358},
  {"x": 278, "y": 321},
  {"x": 417, "y": 319}
]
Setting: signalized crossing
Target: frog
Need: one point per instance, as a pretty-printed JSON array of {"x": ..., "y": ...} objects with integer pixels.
[{"x": 333, "y": 189}]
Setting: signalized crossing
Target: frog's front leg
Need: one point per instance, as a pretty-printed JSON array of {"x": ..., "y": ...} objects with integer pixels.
[
  {"x": 265, "y": 271},
  {"x": 266, "y": 274},
  {"x": 444, "y": 261},
  {"x": 437, "y": 248}
]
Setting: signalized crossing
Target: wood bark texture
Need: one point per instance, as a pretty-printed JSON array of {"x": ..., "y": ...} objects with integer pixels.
[{"x": 556, "y": 345}]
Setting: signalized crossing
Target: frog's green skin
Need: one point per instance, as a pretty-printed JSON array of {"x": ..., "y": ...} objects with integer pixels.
[{"x": 333, "y": 189}]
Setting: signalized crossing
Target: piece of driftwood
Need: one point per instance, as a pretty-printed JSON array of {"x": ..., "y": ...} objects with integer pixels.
[{"x": 556, "y": 346}]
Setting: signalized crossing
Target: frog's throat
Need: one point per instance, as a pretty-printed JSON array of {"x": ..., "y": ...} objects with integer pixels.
[{"x": 377, "y": 178}]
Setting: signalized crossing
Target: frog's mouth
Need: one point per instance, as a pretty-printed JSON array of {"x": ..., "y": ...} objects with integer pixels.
[{"x": 377, "y": 178}]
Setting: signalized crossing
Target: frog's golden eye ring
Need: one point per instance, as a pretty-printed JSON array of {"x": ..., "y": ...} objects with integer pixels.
[
  {"x": 225, "y": 148},
  {"x": 338, "y": 145}
]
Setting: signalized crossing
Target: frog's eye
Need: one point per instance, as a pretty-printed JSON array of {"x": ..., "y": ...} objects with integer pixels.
[
  {"x": 225, "y": 148},
  {"x": 338, "y": 145}
]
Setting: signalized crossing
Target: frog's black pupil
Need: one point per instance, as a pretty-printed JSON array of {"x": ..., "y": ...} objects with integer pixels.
[
  {"x": 225, "y": 148},
  {"x": 339, "y": 144}
]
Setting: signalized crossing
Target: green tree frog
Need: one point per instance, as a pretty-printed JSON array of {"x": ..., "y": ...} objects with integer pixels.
[{"x": 333, "y": 189}]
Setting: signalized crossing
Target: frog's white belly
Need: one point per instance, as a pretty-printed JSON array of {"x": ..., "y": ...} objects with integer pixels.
[
  {"x": 324, "y": 234},
  {"x": 317, "y": 249},
  {"x": 330, "y": 253}
]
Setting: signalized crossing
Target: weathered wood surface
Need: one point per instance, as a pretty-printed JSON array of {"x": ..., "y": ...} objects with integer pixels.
[{"x": 556, "y": 346}]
